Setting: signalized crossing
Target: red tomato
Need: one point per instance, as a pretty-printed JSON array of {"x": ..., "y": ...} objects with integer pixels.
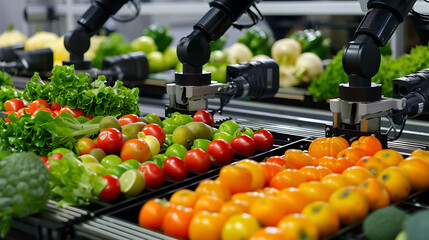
[
  {"x": 75, "y": 112},
  {"x": 220, "y": 151},
  {"x": 112, "y": 190},
  {"x": 136, "y": 149},
  {"x": 197, "y": 160},
  {"x": 277, "y": 159},
  {"x": 56, "y": 156},
  {"x": 153, "y": 174},
  {"x": 203, "y": 116},
  {"x": 110, "y": 140},
  {"x": 129, "y": 118},
  {"x": 13, "y": 105},
  {"x": 53, "y": 114},
  {"x": 55, "y": 106},
  {"x": 156, "y": 131},
  {"x": 243, "y": 145},
  {"x": 263, "y": 139},
  {"x": 174, "y": 168},
  {"x": 38, "y": 103},
  {"x": 46, "y": 161}
]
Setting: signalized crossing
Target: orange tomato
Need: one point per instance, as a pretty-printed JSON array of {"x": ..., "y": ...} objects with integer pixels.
[
  {"x": 315, "y": 191},
  {"x": 176, "y": 221},
  {"x": 376, "y": 193},
  {"x": 270, "y": 169},
  {"x": 287, "y": 178},
  {"x": 258, "y": 173},
  {"x": 350, "y": 203},
  {"x": 294, "y": 199},
  {"x": 324, "y": 216},
  {"x": 372, "y": 163},
  {"x": 355, "y": 175},
  {"x": 208, "y": 203},
  {"x": 369, "y": 144},
  {"x": 396, "y": 181},
  {"x": 420, "y": 153},
  {"x": 268, "y": 233},
  {"x": 296, "y": 159},
  {"x": 135, "y": 149},
  {"x": 236, "y": 178},
  {"x": 315, "y": 173},
  {"x": 233, "y": 207},
  {"x": 277, "y": 159},
  {"x": 213, "y": 188},
  {"x": 418, "y": 172},
  {"x": 152, "y": 213},
  {"x": 297, "y": 226},
  {"x": 206, "y": 225},
  {"x": 337, "y": 165},
  {"x": 85, "y": 145},
  {"x": 184, "y": 197},
  {"x": 269, "y": 192},
  {"x": 268, "y": 210},
  {"x": 335, "y": 181},
  {"x": 354, "y": 154},
  {"x": 327, "y": 146},
  {"x": 248, "y": 197},
  {"x": 389, "y": 157}
]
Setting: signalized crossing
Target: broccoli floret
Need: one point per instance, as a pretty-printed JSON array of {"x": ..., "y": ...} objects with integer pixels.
[{"x": 24, "y": 187}]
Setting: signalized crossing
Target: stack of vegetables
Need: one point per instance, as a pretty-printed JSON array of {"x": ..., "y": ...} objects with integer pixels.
[
  {"x": 326, "y": 86},
  {"x": 300, "y": 195}
]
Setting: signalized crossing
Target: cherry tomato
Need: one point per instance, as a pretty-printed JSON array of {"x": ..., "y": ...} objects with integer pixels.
[
  {"x": 136, "y": 148},
  {"x": 21, "y": 111},
  {"x": 153, "y": 213},
  {"x": 197, "y": 160},
  {"x": 38, "y": 103},
  {"x": 220, "y": 151},
  {"x": 277, "y": 159},
  {"x": 174, "y": 168},
  {"x": 112, "y": 190},
  {"x": 56, "y": 156},
  {"x": 153, "y": 174},
  {"x": 243, "y": 145},
  {"x": 75, "y": 112},
  {"x": 110, "y": 140},
  {"x": 13, "y": 105},
  {"x": 129, "y": 118},
  {"x": 55, "y": 106},
  {"x": 53, "y": 114},
  {"x": 156, "y": 131},
  {"x": 263, "y": 139},
  {"x": 85, "y": 145},
  {"x": 203, "y": 116},
  {"x": 176, "y": 222},
  {"x": 46, "y": 161}
]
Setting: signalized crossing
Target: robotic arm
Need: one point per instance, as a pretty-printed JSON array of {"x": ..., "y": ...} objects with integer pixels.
[
  {"x": 360, "y": 105},
  {"x": 193, "y": 86}
]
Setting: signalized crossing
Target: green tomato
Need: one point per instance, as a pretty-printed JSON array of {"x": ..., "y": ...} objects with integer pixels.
[
  {"x": 201, "y": 143},
  {"x": 168, "y": 140},
  {"x": 223, "y": 135},
  {"x": 110, "y": 160},
  {"x": 243, "y": 131},
  {"x": 156, "y": 62},
  {"x": 145, "y": 44},
  {"x": 229, "y": 126},
  {"x": 169, "y": 128},
  {"x": 153, "y": 118},
  {"x": 131, "y": 164},
  {"x": 240, "y": 226},
  {"x": 116, "y": 170},
  {"x": 158, "y": 159},
  {"x": 176, "y": 150},
  {"x": 182, "y": 119}
]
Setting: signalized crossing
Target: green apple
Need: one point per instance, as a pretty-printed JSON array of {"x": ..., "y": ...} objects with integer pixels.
[
  {"x": 131, "y": 164},
  {"x": 145, "y": 44},
  {"x": 170, "y": 58},
  {"x": 156, "y": 62}
]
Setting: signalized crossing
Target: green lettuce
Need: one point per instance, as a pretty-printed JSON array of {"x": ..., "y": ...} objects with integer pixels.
[{"x": 8, "y": 92}]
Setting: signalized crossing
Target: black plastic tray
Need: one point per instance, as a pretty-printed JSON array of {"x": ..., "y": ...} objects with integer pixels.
[{"x": 57, "y": 223}]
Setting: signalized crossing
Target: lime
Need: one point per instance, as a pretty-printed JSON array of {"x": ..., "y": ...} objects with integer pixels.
[
  {"x": 131, "y": 164},
  {"x": 153, "y": 118},
  {"x": 116, "y": 170},
  {"x": 109, "y": 160},
  {"x": 132, "y": 182},
  {"x": 176, "y": 150},
  {"x": 95, "y": 167},
  {"x": 86, "y": 158},
  {"x": 201, "y": 143}
]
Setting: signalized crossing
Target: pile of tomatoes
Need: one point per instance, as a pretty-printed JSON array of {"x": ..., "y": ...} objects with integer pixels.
[
  {"x": 300, "y": 195},
  {"x": 18, "y": 107}
]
